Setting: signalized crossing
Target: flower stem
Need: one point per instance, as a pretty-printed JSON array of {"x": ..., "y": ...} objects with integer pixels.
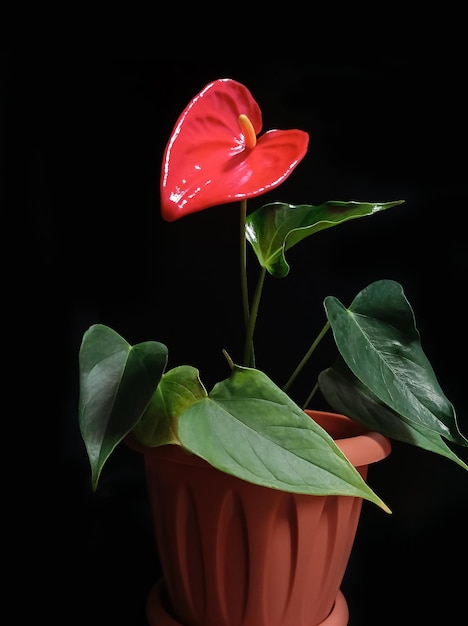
[
  {"x": 307, "y": 356},
  {"x": 249, "y": 356},
  {"x": 243, "y": 263},
  {"x": 250, "y": 315}
]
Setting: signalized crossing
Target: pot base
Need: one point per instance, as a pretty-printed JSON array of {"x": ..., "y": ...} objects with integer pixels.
[{"x": 158, "y": 616}]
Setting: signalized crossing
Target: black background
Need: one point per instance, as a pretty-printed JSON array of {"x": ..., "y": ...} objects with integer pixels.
[{"x": 85, "y": 138}]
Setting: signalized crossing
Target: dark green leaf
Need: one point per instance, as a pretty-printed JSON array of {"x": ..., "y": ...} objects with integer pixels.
[
  {"x": 347, "y": 395},
  {"x": 116, "y": 385},
  {"x": 379, "y": 342}
]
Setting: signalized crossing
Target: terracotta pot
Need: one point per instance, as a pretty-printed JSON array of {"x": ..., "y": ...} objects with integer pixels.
[{"x": 236, "y": 554}]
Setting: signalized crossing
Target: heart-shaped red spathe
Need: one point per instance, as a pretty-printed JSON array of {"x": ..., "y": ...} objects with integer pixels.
[{"x": 206, "y": 161}]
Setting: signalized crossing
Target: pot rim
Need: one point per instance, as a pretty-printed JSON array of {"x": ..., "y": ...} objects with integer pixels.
[{"x": 360, "y": 446}]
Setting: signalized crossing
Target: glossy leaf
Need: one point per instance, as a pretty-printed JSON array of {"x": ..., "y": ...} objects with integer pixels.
[
  {"x": 206, "y": 161},
  {"x": 249, "y": 428},
  {"x": 378, "y": 340},
  {"x": 346, "y": 394},
  {"x": 179, "y": 388},
  {"x": 275, "y": 228},
  {"x": 117, "y": 381}
]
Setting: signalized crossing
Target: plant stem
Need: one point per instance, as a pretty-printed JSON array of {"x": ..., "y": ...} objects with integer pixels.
[
  {"x": 307, "y": 356},
  {"x": 250, "y": 317},
  {"x": 249, "y": 356},
  {"x": 243, "y": 263},
  {"x": 310, "y": 396}
]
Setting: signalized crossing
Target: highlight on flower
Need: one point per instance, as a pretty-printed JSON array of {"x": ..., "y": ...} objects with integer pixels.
[{"x": 215, "y": 155}]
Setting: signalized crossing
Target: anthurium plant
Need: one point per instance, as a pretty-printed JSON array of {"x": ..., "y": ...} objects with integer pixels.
[{"x": 247, "y": 425}]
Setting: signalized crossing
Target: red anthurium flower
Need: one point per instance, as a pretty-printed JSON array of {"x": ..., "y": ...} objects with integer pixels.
[{"x": 214, "y": 157}]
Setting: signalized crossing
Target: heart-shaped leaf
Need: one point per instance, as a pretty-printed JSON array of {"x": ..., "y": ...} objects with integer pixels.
[
  {"x": 117, "y": 381},
  {"x": 347, "y": 395},
  {"x": 275, "y": 228},
  {"x": 249, "y": 428},
  {"x": 178, "y": 389},
  {"x": 378, "y": 339}
]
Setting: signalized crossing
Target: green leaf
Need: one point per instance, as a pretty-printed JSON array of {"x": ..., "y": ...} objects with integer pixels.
[
  {"x": 378, "y": 340},
  {"x": 249, "y": 428},
  {"x": 116, "y": 385},
  {"x": 179, "y": 388},
  {"x": 275, "y": 228},
  {"x": 347, "y": 395}
]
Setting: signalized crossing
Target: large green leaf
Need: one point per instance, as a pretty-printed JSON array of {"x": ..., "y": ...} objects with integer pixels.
[
  {"x": 249, "y": 428},
  {"x": 347, "y": 395},
  {"x": 178, "y": 389},
  {"x": 378, "y": 340},
  {"x": 274, "y": 228},
  {"x": 117, "y": 381}
]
